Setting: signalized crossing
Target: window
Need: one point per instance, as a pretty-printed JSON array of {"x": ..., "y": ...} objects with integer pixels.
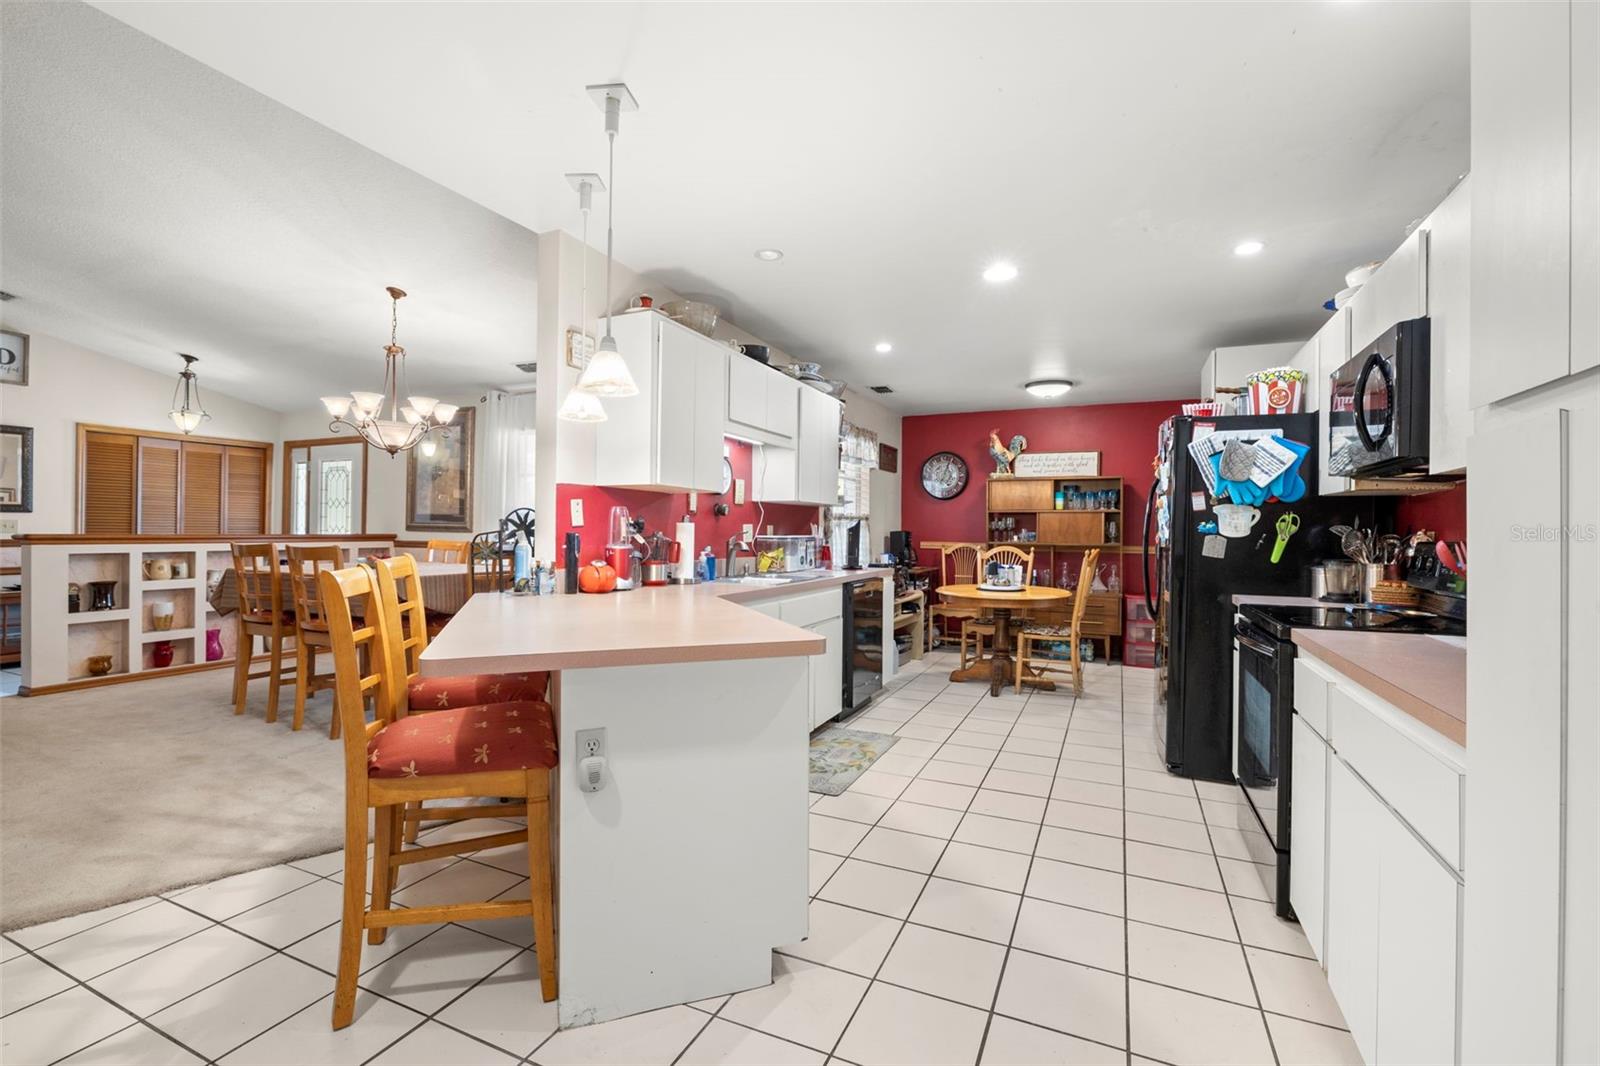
[
  {"x": 335, "y": 499},
  {"x": 858, "y": 457},
  {"x": 131, "y": 481},
  {"x": 324, "y": 485}
]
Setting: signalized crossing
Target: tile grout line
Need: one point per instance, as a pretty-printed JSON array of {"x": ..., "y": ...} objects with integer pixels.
[{"x": 1127, "y": 919}]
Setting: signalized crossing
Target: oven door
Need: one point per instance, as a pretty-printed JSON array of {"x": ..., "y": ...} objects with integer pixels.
[{"x": 1261, "y": 741}]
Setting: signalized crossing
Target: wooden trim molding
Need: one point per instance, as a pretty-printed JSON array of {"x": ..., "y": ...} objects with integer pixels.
[
  {"x": 220, "y": 538},
  {"x": 288, "y": 468}
]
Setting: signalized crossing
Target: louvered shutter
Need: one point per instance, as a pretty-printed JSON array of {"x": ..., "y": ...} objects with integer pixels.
[
  {"x": 246, "y": 481},
  {"x": 110, "y": 461},
  {"x": 202, "y": 489},
  {"x": 158, "y": 485}
]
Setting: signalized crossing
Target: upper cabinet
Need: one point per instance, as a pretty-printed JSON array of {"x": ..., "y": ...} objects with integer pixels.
[
  {"x": 1534, "y": 120},
  {"x": 1449, "y": 231},
  {"x": 807, "y": 471},
  {"x": 1396, "y": 292},
  {"x": 763, "y": 403},
  {"x": 669, "y": 436},
  {"x": 1332, "y": 345}
]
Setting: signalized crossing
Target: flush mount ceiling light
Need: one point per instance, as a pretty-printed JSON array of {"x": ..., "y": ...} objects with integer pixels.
[
  {"x": 883, "y": 347},
  {"x": 1247, "y": 248},
  {"x": 187, "y": 412},
  {"x": 1049, "y": 388},
  {"x": 580, "y": 406},
  {"x": 769, "y": 255},
  {"x": 606, "y": 373},
  {"x": 405, "y": 427},
  {"x": 998, "y": 273}
]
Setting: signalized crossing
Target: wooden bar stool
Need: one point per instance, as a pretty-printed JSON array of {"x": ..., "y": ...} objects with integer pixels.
[
  {"x": 261, "y": 614},
  {"x": 498, "y": 749},
  {"x": 1039, "y": 633},
  {"x": 400, "y": 585},
  {"x": 311, "y": 627}
]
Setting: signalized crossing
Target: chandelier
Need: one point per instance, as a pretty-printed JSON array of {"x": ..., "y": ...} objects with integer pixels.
[
  {"x": 187, "y": 412},
  {"x": 405, "y": 426}
]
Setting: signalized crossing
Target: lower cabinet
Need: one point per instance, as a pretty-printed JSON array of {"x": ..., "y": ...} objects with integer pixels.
[
  {"x": 1393, "y": 929},
  {"x": 1308, "y": 833},
  {"x": 821, "y": 613}
]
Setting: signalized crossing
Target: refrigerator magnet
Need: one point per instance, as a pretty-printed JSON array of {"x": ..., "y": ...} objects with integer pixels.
[{"x": 1214, "y": 547}]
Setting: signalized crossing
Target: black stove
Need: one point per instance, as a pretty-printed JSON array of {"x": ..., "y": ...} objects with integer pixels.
[{"x": 1279, "y": 620}]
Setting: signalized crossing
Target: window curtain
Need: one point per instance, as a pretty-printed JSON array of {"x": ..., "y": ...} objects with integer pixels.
[
  {"x": 858, "y": 445},
  {"x": 506, "y": 440}
]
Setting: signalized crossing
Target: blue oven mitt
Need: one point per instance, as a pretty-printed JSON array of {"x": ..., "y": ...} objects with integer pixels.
[{"x": 1289, "y": 486}]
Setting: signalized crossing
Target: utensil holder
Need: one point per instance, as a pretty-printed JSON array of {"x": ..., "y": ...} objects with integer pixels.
[{"x": 1371, "y": 574}]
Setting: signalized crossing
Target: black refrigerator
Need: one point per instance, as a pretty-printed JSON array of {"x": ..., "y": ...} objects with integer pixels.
[{"x": 1192, "y": 574}]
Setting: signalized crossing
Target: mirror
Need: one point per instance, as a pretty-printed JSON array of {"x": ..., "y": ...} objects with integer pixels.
[{"x": 325, "y": 487}]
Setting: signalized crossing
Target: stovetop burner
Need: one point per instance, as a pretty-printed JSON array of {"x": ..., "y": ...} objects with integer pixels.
[{"x": 1279, "y": 620}]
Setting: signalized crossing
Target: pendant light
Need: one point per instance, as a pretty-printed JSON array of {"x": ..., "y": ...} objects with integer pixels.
[
  {"x": 580, "y": 406},
  {"x": 405, "y": 426},
  {"x": 606, "y": 373},
  {"x": 187, "y": 412}
]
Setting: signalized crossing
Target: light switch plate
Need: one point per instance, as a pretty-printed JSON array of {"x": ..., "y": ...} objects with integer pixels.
[
  {"x": 748, "y": 532},
  {"x": 8, "y": 527},
  {"x": 738, "y": 490},
  {"x": 577, "y": 513}
]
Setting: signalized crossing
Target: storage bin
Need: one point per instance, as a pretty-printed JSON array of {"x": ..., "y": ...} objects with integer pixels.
[
  {"x": 1140, "y": 632},
  {"x": 1138, "y": 654},
  {"x": 1135, "y": 609}
]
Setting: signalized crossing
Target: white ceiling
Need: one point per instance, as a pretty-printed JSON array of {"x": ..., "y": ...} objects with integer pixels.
[
  {"x": 152, "y": 205},
  {"x": 1116, "y": 152}
]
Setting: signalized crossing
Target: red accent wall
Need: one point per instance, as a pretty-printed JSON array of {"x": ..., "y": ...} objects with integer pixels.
[
  {"x": 1123, "y": 433},
  {"x": 662, "y": 510},
  {"x": 1443, "y": 512}
]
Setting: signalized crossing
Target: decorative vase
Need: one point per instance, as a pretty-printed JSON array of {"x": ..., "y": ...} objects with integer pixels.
[
  {"x": 102, "y": 595},
  {"x": 161, "y": 654},
  {"x": 213, "y": 645},
  {"x": 161, "y": 615},
  {"x": 99, "y": 665}
]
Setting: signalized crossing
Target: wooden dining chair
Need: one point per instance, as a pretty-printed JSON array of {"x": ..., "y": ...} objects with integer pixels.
[
  {"x": 311, "y": 626},
  {"x": 447, "y": 551},
  {"x": 486, "y": 565},
  {"x": 1041, "y": 633},
  {"x": 978, "y": 628},
  {"x": 958, "y": 565},
  {"x": 261, "y": 614},
  {"x": 496, "y": 749},
  {"x": 401, "y": 587}
]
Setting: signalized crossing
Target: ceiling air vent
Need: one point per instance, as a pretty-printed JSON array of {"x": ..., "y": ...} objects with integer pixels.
[
  {"x": 528, "y": 368},
  {"x": 882, "y": 390},
  {"x": 6, "y": 296}
]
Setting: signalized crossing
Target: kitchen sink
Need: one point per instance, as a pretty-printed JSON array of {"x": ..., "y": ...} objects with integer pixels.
[{"x": 758, "y": 579}]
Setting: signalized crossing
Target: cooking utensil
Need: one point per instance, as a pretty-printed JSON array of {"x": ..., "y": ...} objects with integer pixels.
[
  {"x": 1371, "y": 575},
  {"x": 1286, "y": 525},
  {"x": 1355, "y": 546},
  {"x": 1341, "y": 580}
]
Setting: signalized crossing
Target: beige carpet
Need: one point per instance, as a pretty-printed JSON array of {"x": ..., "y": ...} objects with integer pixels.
[{"x": 114, "y": 793}]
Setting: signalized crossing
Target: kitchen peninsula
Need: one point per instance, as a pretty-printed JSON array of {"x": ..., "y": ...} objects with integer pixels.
[{"x": 688, "y": 865}]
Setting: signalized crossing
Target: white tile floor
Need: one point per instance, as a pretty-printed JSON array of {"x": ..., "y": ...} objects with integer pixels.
[{"x": 1018, "y": 881}]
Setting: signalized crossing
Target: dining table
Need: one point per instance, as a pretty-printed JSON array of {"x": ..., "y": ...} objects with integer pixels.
[
  {"x": 1002, "y": 605},
  {"x": 446, "y": 587}
]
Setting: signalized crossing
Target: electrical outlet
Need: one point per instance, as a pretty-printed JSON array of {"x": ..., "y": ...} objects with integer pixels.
[
  {"x": 747, "y": 532},
  {"x": 591, "y": 743},
  {"x": 8, "y": 527},
  {"x": 577, "y": 513}
]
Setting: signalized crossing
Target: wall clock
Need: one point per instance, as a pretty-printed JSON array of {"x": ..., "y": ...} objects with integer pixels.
[
  {"x": 944, "y": 475},
  {"x": 727, "y": 476}
]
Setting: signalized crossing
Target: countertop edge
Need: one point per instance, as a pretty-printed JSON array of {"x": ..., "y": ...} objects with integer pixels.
[
  {"x": 1436, "y": 718},
  {"x": 626, "y": 656}
]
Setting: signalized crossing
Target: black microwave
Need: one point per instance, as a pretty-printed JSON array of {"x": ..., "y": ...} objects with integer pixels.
[{"x": 1378, "y": 407}]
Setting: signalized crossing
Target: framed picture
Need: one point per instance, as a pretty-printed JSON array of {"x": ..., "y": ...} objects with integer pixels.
[
  {"x": 13, "y": 358},
  {"x": 16, "y": 469},
  {"x": 888, "y": 458},
  {"x": 439, "y": 486}
]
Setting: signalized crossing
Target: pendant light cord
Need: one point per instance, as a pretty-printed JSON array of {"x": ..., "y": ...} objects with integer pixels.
[{"x": 613, "y": 113}]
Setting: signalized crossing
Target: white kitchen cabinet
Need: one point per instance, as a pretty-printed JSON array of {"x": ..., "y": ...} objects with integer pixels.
[
  {"x": 1585, "y": 186},
  {"x": 1419, "y": 907},
  {"x": 1450, "y": 331},
  {"x": 827, "y": 672},
  {"x": 1226, "y": 368},
  {"x": 669, "y": 436},
  {"x": 807, "y": 471},
  {"x": 763, "y": 403},
  {"x": 1396, "y": 292},
  {"x": 1308, "y": 832},
  {"x": 1306, "y": 361},
  {"x": 1333, "y": 351},
  {"x": 1522, "y": 196},
  {"x": 1355, "y": 832}
]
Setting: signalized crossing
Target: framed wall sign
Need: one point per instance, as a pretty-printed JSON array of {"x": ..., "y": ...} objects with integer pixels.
[
  {"x": 888, "y": 458},
  {"x": 944, "y": 475},
  {"x": 439, "y": 486},
  {"x": 13, "y": 358},
  {"x": 16, "y": 469},
  {"x": 1057, "y": 464}
]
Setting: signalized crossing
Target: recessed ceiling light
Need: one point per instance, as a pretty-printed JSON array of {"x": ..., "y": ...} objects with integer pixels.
[
  {"x": 1248, "y": 248},
  {"x": 1049, "y": 388},
  {"x": 1000, "y": 272},
  {"x": 883, "y": 347},
  {"x": 769, "y": 255}
]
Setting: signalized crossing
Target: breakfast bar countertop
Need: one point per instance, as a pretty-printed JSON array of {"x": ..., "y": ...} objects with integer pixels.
[{"x": 1424, "y": 676}]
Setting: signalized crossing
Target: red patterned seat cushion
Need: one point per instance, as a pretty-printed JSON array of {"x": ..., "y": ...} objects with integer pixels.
[
  {"x": 470, "y": 690},
  {"x": 497, "y": 736}
]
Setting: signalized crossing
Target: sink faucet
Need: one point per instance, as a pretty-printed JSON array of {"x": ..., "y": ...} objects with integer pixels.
[{"x": 735, "y": 546}]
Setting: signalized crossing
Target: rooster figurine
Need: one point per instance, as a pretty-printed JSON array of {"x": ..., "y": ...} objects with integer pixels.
[{"x": 1004, "y": 456}]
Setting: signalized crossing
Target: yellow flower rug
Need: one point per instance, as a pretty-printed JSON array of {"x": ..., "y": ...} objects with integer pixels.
[{"x": 839, "y": 756}]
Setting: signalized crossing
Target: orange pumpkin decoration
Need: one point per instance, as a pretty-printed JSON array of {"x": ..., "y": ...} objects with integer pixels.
[{"x": 598, "y": 576}]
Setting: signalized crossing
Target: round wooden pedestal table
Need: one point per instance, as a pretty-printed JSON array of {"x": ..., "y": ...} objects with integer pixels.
[{"x": 997, "y": 669}]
